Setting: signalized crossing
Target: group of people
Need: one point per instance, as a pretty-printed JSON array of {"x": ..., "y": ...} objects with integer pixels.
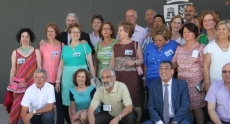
[{"x": 61, "y": 71}]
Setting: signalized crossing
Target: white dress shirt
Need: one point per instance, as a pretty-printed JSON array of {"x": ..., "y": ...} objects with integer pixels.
[
  {"x": 94, "y": 39},
  {"x": 171, "y": 113},
  {"x": 68, "y": 38},
  {"x": 36, "y": 98}
]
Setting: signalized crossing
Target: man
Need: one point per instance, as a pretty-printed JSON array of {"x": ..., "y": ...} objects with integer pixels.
[
  {"x": 189, "y": 13},
  {"x": 149, "y": 14},
  {"x": 158, "y": 20},
  {"x": 140, "y": 33},
  {"x": 218, "y": 98},
  {"x": 117, "y": 102},
  {"x": 38, "y": 101},
  {"x": 96, "y": 22},
  {"x": 168, "y": 98}
]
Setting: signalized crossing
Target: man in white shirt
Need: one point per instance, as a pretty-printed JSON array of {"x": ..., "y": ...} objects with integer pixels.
[
  {"x": 38, "y": 101},
  {"x": 169, "y": 100}
]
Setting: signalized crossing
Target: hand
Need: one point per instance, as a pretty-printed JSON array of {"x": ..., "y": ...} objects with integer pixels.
[
  {"x": 115, "y": 120},
  {"x": 206, "y": 86},
  {"x": 42, "y": 42},
  {"x": 57, "y": 87},
  {"x": 28, "y": 117},
  {"x": 130, "y": 63}
]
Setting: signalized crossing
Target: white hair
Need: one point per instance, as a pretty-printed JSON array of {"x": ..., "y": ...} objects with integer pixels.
[
  {"x": 41, "y": 71},
  {"x": 152, "y": 11},
  {"x": 108, "y": 69},
  {"x": 73, "y": 15}
]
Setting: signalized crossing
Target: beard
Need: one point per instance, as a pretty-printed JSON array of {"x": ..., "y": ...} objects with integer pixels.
[{"x": 108, "y": 85}]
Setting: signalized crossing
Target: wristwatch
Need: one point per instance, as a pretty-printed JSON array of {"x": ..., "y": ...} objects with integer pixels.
[{"x": 34, "y": 111}]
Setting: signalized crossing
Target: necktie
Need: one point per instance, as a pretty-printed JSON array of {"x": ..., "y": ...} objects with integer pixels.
[{"x": 166, "y": 105}]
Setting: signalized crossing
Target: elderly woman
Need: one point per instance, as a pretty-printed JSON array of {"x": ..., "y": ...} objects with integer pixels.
[
  {"x": 188, "y": 60},
  {"x": 126, "y": 55},
  {"x": 175, "y": 25},
  {"x": 74, "y": 56},
  {"x": 217, "y": 54},
  {"x": 24, "y": 60},
  {"x": 160, "y": 50},
  {"x": 104, "y": 48},
  {"x": 80, "y": 97},
  {"x": 208, "y": 21}
]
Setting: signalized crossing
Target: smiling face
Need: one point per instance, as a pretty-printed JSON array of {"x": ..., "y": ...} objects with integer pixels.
[
  {"x": 176, "y": 24},
  {"x": 189, "y": 13},
  {"x": 107, "y": 79},
  {"x": 188, "y": 35},
  {"x": 39, "y": 79},
  {"x": 166, "y": 72},
  {"x": 51, "y": 33},
  {"x": 226, "y": 73},
  {"x": 106, "y": 30},
  {"x": 208, "y": 22},
  {"x": 81, "y": 78},
  {"x": 25, "y": 38},
  {"x": 223, "y": 32},
  {"x": 75, "y": 33},
  {"x": 96, "y": 24}
]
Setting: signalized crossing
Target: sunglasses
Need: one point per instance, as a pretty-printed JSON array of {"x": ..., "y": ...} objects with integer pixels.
[{"x": 225, "y": 71}]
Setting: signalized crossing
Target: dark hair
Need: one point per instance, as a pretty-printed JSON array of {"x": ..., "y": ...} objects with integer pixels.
[
  {"x": 161, "y": 16},
  {"x": 111, "y": 28},
  {"x": 191, "y": 27},
  {"x": 87, "y": 75},
  {"x": 128, "y": 27},
  {"x": 97, "y": 16},
  {"x": 29, "y": 31},
  {"x": 167, "y": 62}
]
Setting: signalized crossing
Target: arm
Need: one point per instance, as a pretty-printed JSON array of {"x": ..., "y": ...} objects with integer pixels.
[
  {"x": 91, "y": 117},
  {"x": 24, "y": 112},
  {"x": 128, "y": 109},
  {"x": 38, "y": 58},
  {"x": 59, "y": 73},
  {"x": 91, "y": 67},
  {"x": 13, "y": 65},
  {"x": 139, "y": 60},
  {"x": 47, "y": 108},
  {"x": 206, "y": 67},
  {"x": 212, "y": 113},
  {"x": 112, "y": 62},
  {"x": 174, "y": 60}
]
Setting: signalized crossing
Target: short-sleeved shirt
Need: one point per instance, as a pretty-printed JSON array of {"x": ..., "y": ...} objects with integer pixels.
[
  {"x": 219, "y": 94},
  {"x": 203, "y": 39},
  {"x": 118, "y": 98},
  {"x": 75, "y": 56},
  {"x": 36, "y": 98}
]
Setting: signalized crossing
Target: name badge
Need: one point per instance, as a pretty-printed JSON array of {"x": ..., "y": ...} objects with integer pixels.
[
  {"x": 109, "y": 53},
  {"x": 169, "y": 52},
  {"x": 107, "y": 108},
  {"x": 195, "y": 53},
  {"x": 76, "y": 54},
  {"x": 21, "y": 60},
  {"x": 54, "y": 53},
  {"x": 128, "y": 52}
]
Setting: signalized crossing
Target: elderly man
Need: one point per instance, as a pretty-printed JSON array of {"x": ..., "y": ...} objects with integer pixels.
[
  {"x": 189, "y": 13},
  {"x": 149, "y": 14},
  {"x": 38, "y": 101},
  {"x": 218, "y": 98},
  {"x": 168, "y": 98},
  {"x": 117, "y": 102},
  {"x": 96, "y": 22}
]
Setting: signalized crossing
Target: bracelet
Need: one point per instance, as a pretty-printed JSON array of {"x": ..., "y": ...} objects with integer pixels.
[
  {"x": 143, "y": 78},
  {"x": 57, "y": 81},
  {"x": 120, "y": 116}
]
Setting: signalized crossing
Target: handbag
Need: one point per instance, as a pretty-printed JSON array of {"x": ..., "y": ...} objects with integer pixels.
[
  {"x": 138, "y": 68},
  {"x": 17, "y": 85},
  {"x": 199, "y": 86},
  {"x": 8, "y": 101},
  {"x": 96, "y": 83}
]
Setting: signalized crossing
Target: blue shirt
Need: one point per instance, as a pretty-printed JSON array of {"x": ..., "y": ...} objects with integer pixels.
[{"x": 153, "y": 57}]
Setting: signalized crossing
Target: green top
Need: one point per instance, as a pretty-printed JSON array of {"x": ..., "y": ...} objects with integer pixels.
[
  {"x": 103, "y": 55},
  {"x": 203, "y": 39}
]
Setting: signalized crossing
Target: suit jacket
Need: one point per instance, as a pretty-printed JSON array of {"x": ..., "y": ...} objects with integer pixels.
[
  {"x": 180, "y": 101},
  {"x": 63, "y": 37}
]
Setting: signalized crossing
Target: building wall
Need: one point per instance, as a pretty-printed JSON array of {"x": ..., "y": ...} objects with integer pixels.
[{"x": 35, "y": 14}]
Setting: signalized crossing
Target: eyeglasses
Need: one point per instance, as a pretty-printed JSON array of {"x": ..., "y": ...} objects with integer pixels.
[
  {"x": 75, "y": 32},
  {"x": 226, "y": 71},
  {"x": 105, "y": 29},
  {"x": 50, "y": 31},
  {"x": 177, "y": 23},
  {"x": 208, "y": 20}
]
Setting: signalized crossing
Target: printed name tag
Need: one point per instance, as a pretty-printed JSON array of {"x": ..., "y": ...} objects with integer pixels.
[
  {"x": 128, "y": 52},
  {"x": 76, "y": 54},
  {"x": 109, "y": 53},
  {"x": 21, "y": 60},
  {"x": 107, "y": 108},
  {"x": 54, "y": 53},
  {"x": 169, "y": 52},
  {"x": 195, "y": 53}
]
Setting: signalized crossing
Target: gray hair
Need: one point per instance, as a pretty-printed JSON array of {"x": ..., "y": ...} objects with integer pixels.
[
  {"x": 108, "y": 69},
  {"x": 73, "y": 15},
  {"x": 152, "y": 11},
  {"x": 41, "y": 71}
]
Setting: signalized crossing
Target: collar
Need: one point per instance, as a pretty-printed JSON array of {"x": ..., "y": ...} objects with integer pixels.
[
  {"x": 137, "y": 27},
  {"x": 147, "y": 28},
  {"x": 41, "y": 88},
  {"x": 169, "y": 83},
  {"x": 115, "y": 88}
]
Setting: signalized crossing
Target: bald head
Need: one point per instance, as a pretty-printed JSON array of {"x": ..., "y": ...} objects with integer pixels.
[
  {"x": 226, "y": 73},
  {"x": 131, "y": 16},
  {"x": 189, "y": 13}
]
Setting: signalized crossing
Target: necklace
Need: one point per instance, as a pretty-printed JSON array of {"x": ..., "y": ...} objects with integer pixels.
[
  {"x": 106, "y": 44},
  {"x": 25, "y": 50},
  {"x": 211, "y": 37},
  {"x": 223, "y": 48},
  {"x": 73, "y": 46}
]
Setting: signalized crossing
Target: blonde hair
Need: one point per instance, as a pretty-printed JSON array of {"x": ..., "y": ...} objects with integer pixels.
[
  {"x": 128, "y": 27},
  {"x": 161, "y": 30},
  {"x": 173, "y": 18},
  {"x": 226, "y": 23}
]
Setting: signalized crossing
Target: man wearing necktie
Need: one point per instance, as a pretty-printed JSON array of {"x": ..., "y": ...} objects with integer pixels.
[{"x": 169, "y": 101}]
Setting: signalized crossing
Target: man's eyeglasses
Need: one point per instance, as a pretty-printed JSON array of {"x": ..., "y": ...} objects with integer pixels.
[{"x": 225, "y": 71}]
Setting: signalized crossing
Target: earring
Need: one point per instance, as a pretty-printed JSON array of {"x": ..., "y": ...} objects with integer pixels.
[
  {"x": 30, "y": 42},
  {"x": 20, "y": 42}
]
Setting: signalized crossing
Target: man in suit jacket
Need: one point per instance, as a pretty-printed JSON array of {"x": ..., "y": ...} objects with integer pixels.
[
  {"x": 64, "y": 36},
  {"x": 171, "y": 108}
]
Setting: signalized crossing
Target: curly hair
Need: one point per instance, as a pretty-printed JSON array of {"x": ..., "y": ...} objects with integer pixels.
[
  {"x": 29, "y": 31},
  {"x": 74, "y": 25},
  {"x": 128, "y": 27},
  {"x": 87, "y": 75}
]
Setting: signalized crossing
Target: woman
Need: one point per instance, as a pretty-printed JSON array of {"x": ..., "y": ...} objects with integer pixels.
[
  {"x": 51, "y": 55},
  {"x": 174, "y": 26},
  {"x": 74, "y": 56},
  {"x": 24, "y": 60},
  {"x": 196, "y": 20},
  {"x": 208, "y": 21},
  {"x": 217, "y": 54},
  {"x": 160, "y": 50},
  {"x": 104, "y": 48},
  {"x": 188, "y": 60},
  {"x": 80, "y": 96},
  {"x": 126, "y": 55}
]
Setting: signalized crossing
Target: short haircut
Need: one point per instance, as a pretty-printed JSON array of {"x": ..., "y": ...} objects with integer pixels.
[
  {"x": 74, "y": 25},
  {"x": 87, "y": 75},
  {"x": 22, "y": 30},
  {"x": 160, "y": 16},
  {"x": 191, "y": 27},
  {"x": 54, "y": 27},
  {"x": 207, "y": 12},
  {"x": 226, "y": 23},
  {"x": 167, "y": 62},
  {"x": 111, "y": 28},
  {"x": 108, "y": 69},
  {"x": 73, "y": 15},
  {"x": 129, "y": 27},
  {"x": 191, "y": 6},
  {"x": 97, "y": 16},
  {"x": 152, "y": 11},
  {"x": 41, "y": 71},
  {"x": 173, "y": 18},
  {"x": 161, "y": 30}
]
